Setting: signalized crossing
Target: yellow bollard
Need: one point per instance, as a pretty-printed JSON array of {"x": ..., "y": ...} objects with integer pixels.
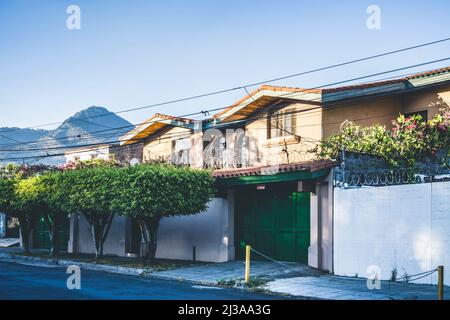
[
  {"x": 247, "y": 264},
  {"x": 440, "y": 282}
]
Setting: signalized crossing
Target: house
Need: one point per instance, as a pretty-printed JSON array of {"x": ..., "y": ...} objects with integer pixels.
[
  {"x": 127, "y": 154},
  {"x": 272, "y": 193}
]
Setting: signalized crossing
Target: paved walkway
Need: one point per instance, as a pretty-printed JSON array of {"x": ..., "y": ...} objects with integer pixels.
[
  {"x": 302, "y": 281},
  {"x": 342, "y": 288},
  {"x": 234, "y": 270}
]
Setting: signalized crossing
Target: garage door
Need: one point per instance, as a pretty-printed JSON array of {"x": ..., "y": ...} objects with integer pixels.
[{"x": 276, "y": 224}]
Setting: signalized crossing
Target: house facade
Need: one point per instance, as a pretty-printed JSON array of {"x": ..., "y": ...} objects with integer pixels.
[{"x": 272, "y": 191}]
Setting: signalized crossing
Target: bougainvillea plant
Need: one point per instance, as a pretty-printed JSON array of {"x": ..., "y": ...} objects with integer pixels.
[{"x": 409, "y": 141}]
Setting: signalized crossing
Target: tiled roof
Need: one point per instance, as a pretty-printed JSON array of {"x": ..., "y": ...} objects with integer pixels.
[
  {"x": 311, "y": 166},
  {"x": 262, "y": 88},
  {"x": 386, "y": 82},
  {"x": 335, "y": 89},
  {"x": 151, "y": 125}
]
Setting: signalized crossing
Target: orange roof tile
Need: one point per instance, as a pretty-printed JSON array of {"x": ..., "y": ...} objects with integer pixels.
[{"x": 312, "y": 166}]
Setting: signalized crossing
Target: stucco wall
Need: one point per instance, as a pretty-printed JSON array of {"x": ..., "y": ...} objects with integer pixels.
[
  {"x": 81, "y": 240},
  {"x": 160, "y": 144},
  {"x": 211, "y": 232},
  {"x": 405, "y": 227},
  {"x": 380, "y": 111},
  {"x": 384, "y": 110},
  {"x": 263, "y": 150},
  {"x": 432, "y": 100}
]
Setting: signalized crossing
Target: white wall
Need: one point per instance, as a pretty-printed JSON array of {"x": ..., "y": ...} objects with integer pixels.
[
  {"x": 2, "y": 225},
  {"x": 115, "y": 243},
  {"x": 405, "y": 227},
  {"x": 211, "y": 232}
]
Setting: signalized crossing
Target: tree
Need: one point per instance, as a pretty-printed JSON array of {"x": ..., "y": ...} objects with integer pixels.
[
  {"x": 26, "y": 207},
  {"x": 7, "y": 194},
  {"x": 53, "y": 199},
  {"x": 19, "y": 198},
  {"x": 151, "y": 192},
  {"x": 92, "y": 192}
]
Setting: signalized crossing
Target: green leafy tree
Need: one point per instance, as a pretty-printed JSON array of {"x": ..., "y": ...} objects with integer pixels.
[
  {"x": 92, "y": 192},
  {"x": 53, "y": 199},
  {"x": 19, "y": 197},
  {"x": 7, "y": 195},
  {"x": 151, "y": 192},
  {"x": 26, "y": 207}
]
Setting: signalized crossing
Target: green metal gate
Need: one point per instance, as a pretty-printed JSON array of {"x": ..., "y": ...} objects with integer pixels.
[
  {"x": 274, "y": 223},
  {"x": 41, "y": 237}
]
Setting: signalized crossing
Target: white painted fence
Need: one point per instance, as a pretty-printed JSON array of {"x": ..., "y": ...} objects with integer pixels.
[{"x": 404, "y": 227}]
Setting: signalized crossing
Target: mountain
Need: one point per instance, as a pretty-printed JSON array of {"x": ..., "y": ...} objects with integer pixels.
[
  {"x": 12, "y": 136},
  {"x": 89, "y": 126}
]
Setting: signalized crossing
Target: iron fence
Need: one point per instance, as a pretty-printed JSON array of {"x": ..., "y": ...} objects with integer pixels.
[{"x": 358, "y": 170}]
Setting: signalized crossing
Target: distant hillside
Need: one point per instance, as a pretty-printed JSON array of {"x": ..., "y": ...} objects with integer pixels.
[
  {"x": 89, "y": 126},
  {"x": 11, "y": 136}
]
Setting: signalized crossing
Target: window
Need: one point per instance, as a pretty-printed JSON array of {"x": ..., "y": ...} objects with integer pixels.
[
  {"x": 281, "y": 123},
  {"x": 180, "y": 151},
  {"x": 423, "y": 114}
]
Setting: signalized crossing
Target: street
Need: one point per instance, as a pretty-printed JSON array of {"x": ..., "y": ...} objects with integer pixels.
[{"x": 30, "y": 282}]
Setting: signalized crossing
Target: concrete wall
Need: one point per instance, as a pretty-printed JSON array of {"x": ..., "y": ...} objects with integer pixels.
[
  {"x": 2, "y": 225},
  {"x": 211, "y": 232},
  {"x": 320, "y": 251},
  {"x": 406, "y": 227},
  {"x": 81, "y": 240}
]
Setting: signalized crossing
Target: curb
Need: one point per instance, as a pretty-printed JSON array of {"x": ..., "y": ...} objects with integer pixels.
[
  {"x": 38, "y": 261},
  {"x": 60, "y": 262}
]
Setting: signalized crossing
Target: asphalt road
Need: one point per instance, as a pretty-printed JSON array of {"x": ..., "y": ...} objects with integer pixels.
[{"x": 19, "y": 282}]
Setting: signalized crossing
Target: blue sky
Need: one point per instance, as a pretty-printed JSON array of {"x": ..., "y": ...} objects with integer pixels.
[{"x": 135, "y": 53}]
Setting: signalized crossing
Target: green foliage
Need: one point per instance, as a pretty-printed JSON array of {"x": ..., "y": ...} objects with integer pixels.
[
  {"x": 101, "y": 190},
  {"x": 149, "y": 192},
  {"x": 409, "y": 141},
  {"x": 159, "y": 190},
  {"x": 7, "y": 194},
  {"x": 90, "y": 190}
]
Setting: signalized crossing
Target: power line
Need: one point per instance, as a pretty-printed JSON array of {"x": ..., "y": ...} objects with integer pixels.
[
  {"x": 244, "y": 86},
  {"x": 216, "y": 109},
  {"x": 94, "y": 144}
]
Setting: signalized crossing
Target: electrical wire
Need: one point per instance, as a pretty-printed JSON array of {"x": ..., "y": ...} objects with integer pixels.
[
  {"x": 281, "y": 96},
  {"x": 256, "y": 83}
]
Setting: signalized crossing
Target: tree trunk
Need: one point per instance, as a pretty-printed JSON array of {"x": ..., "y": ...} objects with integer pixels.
[
  {"x": 151, "y": 240},
  {"x": 144, "y": 242},
  {"x": 54, "y": 235},
  {"x": 24, "y": 235},
  {"x": 25, "y": 231},
  {"x": 100, "y": 226},
  {"x": 96, "y": 237}
]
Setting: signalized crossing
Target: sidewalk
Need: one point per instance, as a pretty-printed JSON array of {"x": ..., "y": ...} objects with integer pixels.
[
  {"x": 303, "y": 281},
  {"x": 292, "y": 279}
]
